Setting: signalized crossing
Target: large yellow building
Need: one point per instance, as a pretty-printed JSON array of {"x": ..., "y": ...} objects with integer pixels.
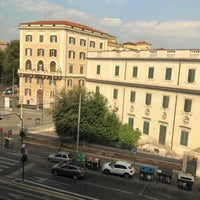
[
  {"x": 53, "y": 56},
  {"x": 155, "y": 91}
]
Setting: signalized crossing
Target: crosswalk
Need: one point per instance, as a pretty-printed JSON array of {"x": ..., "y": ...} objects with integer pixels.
[{"x": 5, "y": 163}]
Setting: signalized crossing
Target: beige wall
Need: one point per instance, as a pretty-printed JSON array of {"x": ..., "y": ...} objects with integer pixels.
[
  {"x": 62, "y": 60},
  {"x": 178, "y": 89}
]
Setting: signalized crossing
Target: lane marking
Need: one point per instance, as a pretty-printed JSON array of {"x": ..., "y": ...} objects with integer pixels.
[
  {"x": 55, "y": 190},
  {"x": 9, "y": 159},
  {"x": 110, "y": 188}
]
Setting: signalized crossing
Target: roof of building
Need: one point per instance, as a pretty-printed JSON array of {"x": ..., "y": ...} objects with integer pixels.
[{"x": 67, "y": 23}]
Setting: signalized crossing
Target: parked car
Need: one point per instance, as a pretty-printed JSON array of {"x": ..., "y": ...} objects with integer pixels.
[
  {"x": 60, "y": 157},
  {"x": 68, "y": 169},
  {"x": 123, "y": 168},
  {"x": 7, "y": 91}
]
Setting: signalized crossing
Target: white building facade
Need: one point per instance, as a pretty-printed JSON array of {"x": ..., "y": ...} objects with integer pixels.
[{"x": 155, "y": 91}]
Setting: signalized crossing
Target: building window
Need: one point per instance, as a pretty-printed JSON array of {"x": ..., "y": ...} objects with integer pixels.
[
  {"x": 52, "y": 81},
  {"x": 115, "y": 93},
  {"x": 82, "y": 55},
  {"x": 28, "y": 52},
  {"x": 52, "y": 66},
  {"x": 69, "y": 82},
  {"x": 151, "y": 73},
  {"x": 92, "y": 44},
  {"x": 52, "y": 94},
  {"x": 40, "y": 66},
  {"x": 72, "y": 40},
  {"x": 162, "y": 134},
  {"x": 28, "y": 38},
  {"x": 81, "y": 69},
  {"x": 191, "y": 75},
  {"x": 40, "y": 52},
  {"x": 184, "y": 138},
  {"x": 132, "y": 96},
  {"x": 27, "y": 92},
  {"x": 165, "y": 103},
  {"x": 148, "y": 99},
  {"x": 117, "y": 70},
  {"x": 97, "y": 89},
  {"x": 135, "y": 71},
  {"x": 28, "y": 65},
  {"x": 53, "y": 38},
  {"x": 101, "y": 45},
  {"x": 168, "y": 73},
  {"x": 39, "y": 81},
  {"x": 41, "y": 38},
  {"x": 82, "y": 42},
  {"x": 131, "y": 122},
  {"x": 28, "y": 79},
  {"x": 81, "y": 82},
  {"x": 187, "y": 105},
  {"x": 98, "y": 69},
  {"x": 146, "y": 127},
  {"x": 71, "y": 68},
  {"x": 52, "y": 52},
  {"x": 71, "y": 54}
]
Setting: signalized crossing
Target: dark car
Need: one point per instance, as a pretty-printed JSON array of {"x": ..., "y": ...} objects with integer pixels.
[{"x": 68, "y": 169}]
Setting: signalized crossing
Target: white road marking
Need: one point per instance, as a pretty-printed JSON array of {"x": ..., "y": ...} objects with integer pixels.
[{"x": 110, "y": 188}]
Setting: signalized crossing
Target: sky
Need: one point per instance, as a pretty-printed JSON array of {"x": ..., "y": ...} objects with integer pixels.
[{"x": 169, "y": 24}]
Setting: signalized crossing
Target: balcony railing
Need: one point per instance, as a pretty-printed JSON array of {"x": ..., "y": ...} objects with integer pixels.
[{"x": 39, "y": 73}]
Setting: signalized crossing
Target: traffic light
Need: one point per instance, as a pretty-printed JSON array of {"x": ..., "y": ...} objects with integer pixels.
[
  {"x": 24, "y": 151},
  {"x": 24, "y": 158}
]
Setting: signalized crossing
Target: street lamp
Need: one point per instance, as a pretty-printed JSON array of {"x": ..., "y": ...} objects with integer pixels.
[{"x": 22, "y": 135}]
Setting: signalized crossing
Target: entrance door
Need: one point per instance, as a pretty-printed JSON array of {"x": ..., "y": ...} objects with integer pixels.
[
  {"x": 162, "y": 135},
  {"x": 191, "y": 165},
  {"x": 40, "y": 98}
]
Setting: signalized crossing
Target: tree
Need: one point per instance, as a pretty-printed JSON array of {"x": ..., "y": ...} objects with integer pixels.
[
  {"x": 65, "y": 111},
  {"x": 98, "y": 122},
  {"x": 1, "y": 64},
  {"x": 11, "y": 63},
  {"x": 128, "y": 137}
]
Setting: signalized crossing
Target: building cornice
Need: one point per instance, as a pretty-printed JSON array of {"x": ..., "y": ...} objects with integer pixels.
[{"x": 146, "y": 86}]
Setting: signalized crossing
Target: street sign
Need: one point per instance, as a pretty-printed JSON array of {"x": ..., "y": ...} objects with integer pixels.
[{"x": 21, "y": 98}]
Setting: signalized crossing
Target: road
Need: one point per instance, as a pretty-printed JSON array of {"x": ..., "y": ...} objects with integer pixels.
[{"x": 95, "y": 186}]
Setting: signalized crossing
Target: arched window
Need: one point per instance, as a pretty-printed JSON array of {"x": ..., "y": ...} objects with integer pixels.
[
  {"x": 52, "y": 66},
  {"x": 40, "y": 66},
  {"x": 28, "y": 65}
]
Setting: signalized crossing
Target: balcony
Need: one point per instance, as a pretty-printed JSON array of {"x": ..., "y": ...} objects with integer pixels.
[{"x": 43, "y": 74}]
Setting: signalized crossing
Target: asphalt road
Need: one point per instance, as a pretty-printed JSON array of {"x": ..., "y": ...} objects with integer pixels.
[{"x": 94, "y": 186}]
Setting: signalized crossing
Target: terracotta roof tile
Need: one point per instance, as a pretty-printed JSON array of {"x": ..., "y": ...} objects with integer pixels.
[{"x": 62, "y": 22}]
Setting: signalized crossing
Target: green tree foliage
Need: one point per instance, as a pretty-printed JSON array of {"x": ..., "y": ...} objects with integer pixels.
[
  {"x": 1, "y": 64},
  {"x": 98, "y": 122},
  {"x": 11, "y": 63},
  {"x": 128, "y": 137},
  {"x": 65, "y": 111}
]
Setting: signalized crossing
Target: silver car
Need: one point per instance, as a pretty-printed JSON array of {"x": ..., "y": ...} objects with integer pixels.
[{"x": 61, "y": 157}]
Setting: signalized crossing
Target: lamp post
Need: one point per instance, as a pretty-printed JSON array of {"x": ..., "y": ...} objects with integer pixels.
[{"x": 22, "y": 134}]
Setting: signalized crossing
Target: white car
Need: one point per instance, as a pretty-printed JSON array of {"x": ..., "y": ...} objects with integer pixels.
[
  {"x": 60, "y": 157},
  {"x": 123, "y": 168}
]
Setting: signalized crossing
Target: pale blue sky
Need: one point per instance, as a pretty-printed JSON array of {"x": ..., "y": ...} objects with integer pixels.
[{"x": 168, "y": 24}]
